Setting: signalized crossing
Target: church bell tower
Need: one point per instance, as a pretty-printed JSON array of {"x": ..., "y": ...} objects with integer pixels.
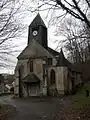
[{"x": 38, "y": 31}]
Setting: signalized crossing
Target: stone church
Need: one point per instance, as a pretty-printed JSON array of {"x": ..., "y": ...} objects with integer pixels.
[{"x": 40, "y": 70}]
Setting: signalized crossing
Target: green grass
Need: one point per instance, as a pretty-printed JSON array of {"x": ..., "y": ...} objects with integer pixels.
[{"x": 80, "y": 101}]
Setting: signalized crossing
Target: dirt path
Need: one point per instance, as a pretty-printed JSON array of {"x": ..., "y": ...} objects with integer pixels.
[{"x": 36, "y": 108}]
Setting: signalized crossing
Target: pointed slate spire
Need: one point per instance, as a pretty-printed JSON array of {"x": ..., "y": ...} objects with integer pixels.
[
  {"x": 61, "y": 60},
  {"x": 37, "y": 21}
]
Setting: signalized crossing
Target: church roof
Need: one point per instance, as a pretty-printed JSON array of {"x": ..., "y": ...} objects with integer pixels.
[
  {"x": 31, "y": 78},
  {"x": 53, "y": 52},
  {"x": 37, "y": 21},
  {"x": 34, "y": 50},
  {"x": 62, "y": 61}
]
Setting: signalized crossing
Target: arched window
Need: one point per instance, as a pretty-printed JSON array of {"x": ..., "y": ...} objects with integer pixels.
[
  {"x": 52, "y": 77},
  {"x": 21, "y": 71},
  {"x": 31, "y": 66}
]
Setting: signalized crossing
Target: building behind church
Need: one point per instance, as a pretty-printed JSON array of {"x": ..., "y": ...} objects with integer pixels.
[{"x": 40, "y": 70}]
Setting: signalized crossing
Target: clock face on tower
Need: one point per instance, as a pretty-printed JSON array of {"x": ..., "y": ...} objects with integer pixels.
[{"x": 35, "y": 33}]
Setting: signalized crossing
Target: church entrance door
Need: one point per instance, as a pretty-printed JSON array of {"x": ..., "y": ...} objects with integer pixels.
[{"x": 34, "y": 90}]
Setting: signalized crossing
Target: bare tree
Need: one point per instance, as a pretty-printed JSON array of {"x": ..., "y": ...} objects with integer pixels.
[
  {"x": 79, "y": 9},
  {"x": 75, "y": 8},
  {"x": 9, "y": 29},
  {"x": 76, "y": 40}
]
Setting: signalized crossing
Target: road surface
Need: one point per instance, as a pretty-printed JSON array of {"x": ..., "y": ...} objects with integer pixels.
[{"x": 34, "y": 108}]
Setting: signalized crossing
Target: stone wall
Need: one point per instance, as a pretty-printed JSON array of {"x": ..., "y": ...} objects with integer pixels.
[
  {"x": 37, "y": 69},
  {"x": 60, "y": 76}
]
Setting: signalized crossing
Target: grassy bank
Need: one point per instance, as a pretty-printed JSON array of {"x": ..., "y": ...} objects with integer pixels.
[{"x": 80, "y": 100}]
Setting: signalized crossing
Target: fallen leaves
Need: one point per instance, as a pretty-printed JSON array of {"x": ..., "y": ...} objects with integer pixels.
[{"x": 6, "y": 110}]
